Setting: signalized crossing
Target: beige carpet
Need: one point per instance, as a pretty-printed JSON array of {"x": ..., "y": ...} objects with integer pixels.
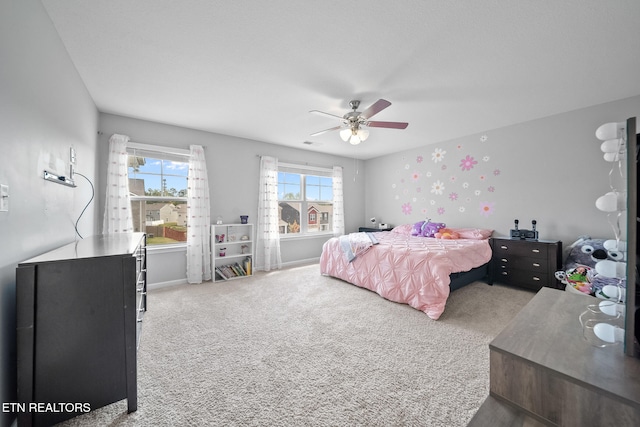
[{"x": 294, "y": 348}]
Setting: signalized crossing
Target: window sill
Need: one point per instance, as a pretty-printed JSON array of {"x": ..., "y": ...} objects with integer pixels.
[
  {"x": 161, "y": 249},
  {"x": 306, "y": 236}
]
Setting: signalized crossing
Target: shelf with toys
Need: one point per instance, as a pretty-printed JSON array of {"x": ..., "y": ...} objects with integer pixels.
[{"x": 232, "y": 249}]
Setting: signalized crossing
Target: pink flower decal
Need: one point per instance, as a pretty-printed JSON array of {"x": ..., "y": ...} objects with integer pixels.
[
  {"x": 440, "y": 211},
  {"x": 486, "y": 208},
  {"x": 406, "y": 208},
  {"x": 415, "y": 176},
  {"x": 496, "y": 172},
  {"x": 468, "y": 163},
  {"x": 419, "y": 159},
  {"x": 453, "y": 196}
]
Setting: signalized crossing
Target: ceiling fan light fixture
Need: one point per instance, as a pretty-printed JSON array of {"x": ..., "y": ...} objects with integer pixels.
[
  {"x": 345, "y": 134},
  {"x": 353, "y": 120},
  {"x": 354, "y": 135}
]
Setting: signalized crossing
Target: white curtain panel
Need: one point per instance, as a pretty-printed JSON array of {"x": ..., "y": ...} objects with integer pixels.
[
  {"x": 338, "y": 202},
  {"x": 268, "y": 238},
  {"x": 117, "y": 211},
  {"x": 199, "y": 219}
]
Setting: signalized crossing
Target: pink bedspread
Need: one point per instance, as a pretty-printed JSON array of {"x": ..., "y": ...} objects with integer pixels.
[{"x": 407, "y": 269}]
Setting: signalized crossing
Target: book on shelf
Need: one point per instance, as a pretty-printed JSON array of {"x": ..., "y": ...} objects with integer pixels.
[
  {"x": 221, "y": 274},
  {"x": 247, "y": 265},
  {"x": 229, "y": 271}
]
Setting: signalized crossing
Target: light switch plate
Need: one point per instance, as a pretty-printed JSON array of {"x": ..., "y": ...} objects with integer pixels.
[
  {"x": 4, "y": 198},
  {"x": 72, "y": 156}
]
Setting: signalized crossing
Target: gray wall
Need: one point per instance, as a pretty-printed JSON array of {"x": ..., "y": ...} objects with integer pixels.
[
  {"x": 233, "y": 166},
  {"x": 550, "y": 170},
  {"x": 44, "y": 110}
]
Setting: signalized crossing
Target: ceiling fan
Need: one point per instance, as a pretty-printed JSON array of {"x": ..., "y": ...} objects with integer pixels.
[{"x": 353, "y": 122}]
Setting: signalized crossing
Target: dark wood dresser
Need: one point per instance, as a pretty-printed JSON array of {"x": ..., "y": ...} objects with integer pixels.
[
  {"x": 527, "y": 263},
  {"x": 79, "y": 310}
]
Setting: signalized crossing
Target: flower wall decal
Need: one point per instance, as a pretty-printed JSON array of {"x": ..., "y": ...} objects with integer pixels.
[
  {"x": 431, "y": 189},
  {"x": 468, "y": 163},
  {"x": 437, "y": 155}
]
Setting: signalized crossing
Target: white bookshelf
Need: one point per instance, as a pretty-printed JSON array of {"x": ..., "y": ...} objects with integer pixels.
[{"x": 232, "y": 248}]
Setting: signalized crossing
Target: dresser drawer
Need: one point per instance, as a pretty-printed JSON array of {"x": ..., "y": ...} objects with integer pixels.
[
  {"x": 524, "y": 263},
  {"x": 520, "y": 248},
  {"x": 524, "y": 278}
]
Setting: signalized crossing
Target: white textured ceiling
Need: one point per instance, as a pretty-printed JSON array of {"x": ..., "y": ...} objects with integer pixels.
[{"x": 254, "y": 69}]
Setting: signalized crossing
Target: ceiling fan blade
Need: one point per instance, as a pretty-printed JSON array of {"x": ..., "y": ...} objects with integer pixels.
[
  {"x": 377, "y": 106},
  {"x": 391, "y": 125},
  {"x": 326, "y": 114},
  {"x": 326, "y": 130}
]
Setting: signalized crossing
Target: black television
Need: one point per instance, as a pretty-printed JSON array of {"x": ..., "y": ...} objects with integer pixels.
[{"x": 632, "y": 319}]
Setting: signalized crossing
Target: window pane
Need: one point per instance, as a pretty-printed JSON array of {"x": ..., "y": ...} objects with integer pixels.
[
  {"x": 319, "y": 217},
  {"x": 305, "y": 202},
  {"x": 158, "y": 177},
  {"x": 164, "y": 222},
  {"x": 289, "y": 186},
  {"x": 290, "y": 217},
  {"x": 319, "y": 188}
]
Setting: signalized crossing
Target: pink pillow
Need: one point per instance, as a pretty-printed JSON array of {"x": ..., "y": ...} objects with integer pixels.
[
  {"x": 404, "y": 229},
  {"x": 473, "y": 233}
]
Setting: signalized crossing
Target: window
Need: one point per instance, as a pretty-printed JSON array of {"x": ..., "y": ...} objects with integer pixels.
[
  {"x": 158, "y": 190},
  {"x": 305, "y": 198}
]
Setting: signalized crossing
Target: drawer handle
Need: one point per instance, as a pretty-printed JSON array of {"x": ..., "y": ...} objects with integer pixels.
[
  {"x": 537, "y": 251},
  {"x": 535, "y": 264},
  {"x": 537, "y": 279},
  {"x": 504, "y": 260},
  {"x": 504, "y": 273},
  {"x": 504, "y": 247}
]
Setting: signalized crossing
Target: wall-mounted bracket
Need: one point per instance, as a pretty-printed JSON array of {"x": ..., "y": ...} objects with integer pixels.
[
  {"x": 60, "y": 179},
  {"x": 4, "y": 198}
]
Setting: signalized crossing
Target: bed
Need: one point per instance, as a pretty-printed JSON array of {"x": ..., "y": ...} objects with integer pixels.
[{"x": 418, "y": 271}]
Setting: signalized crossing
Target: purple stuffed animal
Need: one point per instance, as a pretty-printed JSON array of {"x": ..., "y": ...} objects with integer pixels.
[{"x": 426, "y": 228}]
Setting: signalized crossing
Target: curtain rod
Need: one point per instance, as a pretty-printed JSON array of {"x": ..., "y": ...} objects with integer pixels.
[
  {"x": 162, "y": 148},
  {"x": 293, "y": 163}
]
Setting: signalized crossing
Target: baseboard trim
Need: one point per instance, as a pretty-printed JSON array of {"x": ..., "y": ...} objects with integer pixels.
[
  {"x": 159, "y": 285},
  {"x": 297, "y": 263},
  {"x": 301, "y": 262}
]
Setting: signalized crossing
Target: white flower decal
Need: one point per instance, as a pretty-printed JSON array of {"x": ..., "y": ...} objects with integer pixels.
[
  {"x": 438, "y": 155},
  {"x": 437, "y": 187}
]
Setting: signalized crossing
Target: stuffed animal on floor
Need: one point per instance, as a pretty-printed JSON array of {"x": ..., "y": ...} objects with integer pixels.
[
  {"x": 446, "y": 233},
  {"x": 598, "y": 262}
]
